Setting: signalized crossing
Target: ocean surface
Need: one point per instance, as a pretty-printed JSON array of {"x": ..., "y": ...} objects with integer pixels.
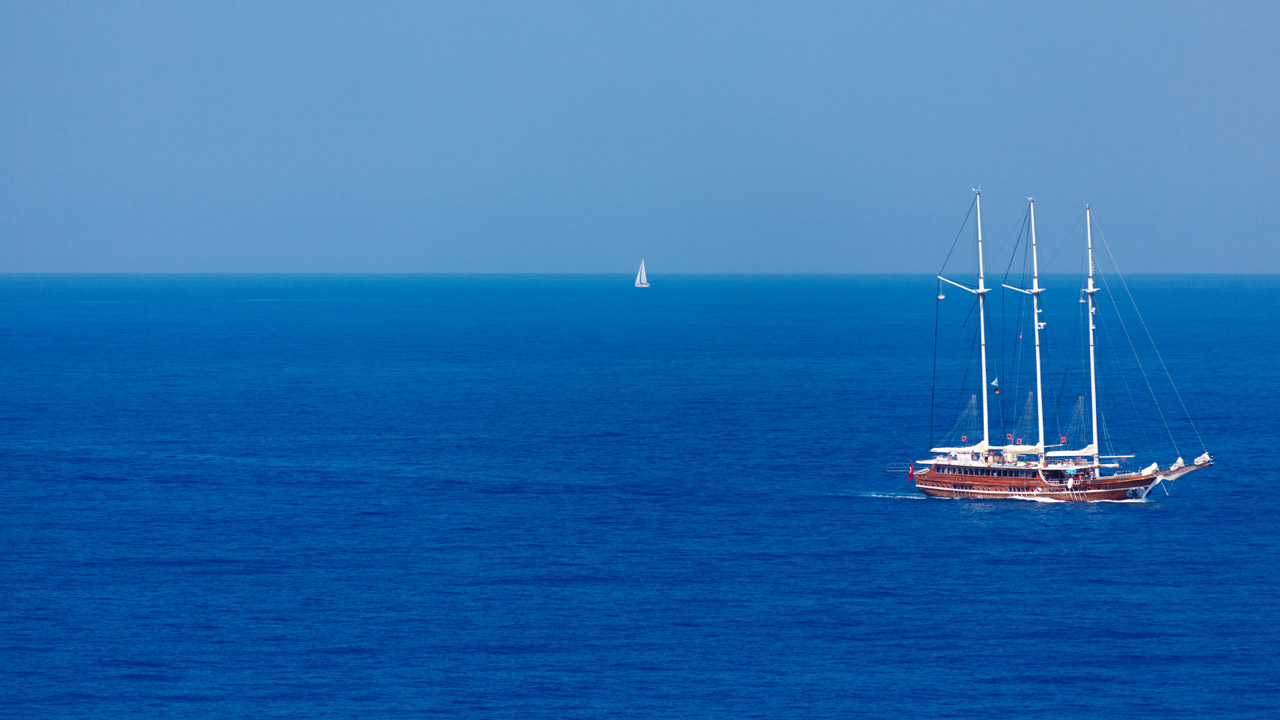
[{"x": 564, "y": 497}]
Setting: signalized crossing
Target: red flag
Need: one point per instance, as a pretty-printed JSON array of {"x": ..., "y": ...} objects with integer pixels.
[{"x": 911, "y": 473}]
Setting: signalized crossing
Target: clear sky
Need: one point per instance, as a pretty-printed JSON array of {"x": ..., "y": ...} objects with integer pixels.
[{"x": 579, "y": 137}]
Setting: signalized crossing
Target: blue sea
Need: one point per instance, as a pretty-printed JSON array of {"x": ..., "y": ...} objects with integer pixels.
[{"x": 563, "y": 497}]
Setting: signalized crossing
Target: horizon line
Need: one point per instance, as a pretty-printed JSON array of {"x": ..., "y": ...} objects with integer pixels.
[{"x": 584, "y": 273}]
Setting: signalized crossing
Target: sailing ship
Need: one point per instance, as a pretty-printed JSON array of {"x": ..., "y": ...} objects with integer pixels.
[
  {"x": 1024, "y": 471},
  {"x": 641, "y": 280}
]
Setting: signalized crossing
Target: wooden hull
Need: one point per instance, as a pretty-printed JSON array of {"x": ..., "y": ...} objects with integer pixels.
[{"x": 989, "y": 487}]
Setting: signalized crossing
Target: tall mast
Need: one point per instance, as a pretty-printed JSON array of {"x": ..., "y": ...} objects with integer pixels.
[
  {"x": 981, "y": 292},
  {"x": 982, "y": 324},
  {"x": 1089, "y": 291},
  {"x": 1035, "y": 315}
]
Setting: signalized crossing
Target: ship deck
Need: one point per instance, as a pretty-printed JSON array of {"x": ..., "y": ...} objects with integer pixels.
[{"x": 1062, "y": 481}]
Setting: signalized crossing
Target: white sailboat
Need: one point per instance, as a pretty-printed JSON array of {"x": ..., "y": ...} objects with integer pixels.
[{"x": 641, "y": 280}]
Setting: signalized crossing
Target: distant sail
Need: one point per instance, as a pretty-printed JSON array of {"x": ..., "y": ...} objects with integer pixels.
[{"x": 641, "y": 280}]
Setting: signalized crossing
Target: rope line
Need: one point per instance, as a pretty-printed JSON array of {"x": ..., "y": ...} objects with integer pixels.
[
  {"x": 1120, "y": 318},
  {"x": 1142, "y": 428},
  {"x": 958, "y": 233},
  {"x": 1150, "y": 339}
]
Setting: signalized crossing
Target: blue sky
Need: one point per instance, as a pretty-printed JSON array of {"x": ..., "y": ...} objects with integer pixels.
[{"x": 579, "y": 137}]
